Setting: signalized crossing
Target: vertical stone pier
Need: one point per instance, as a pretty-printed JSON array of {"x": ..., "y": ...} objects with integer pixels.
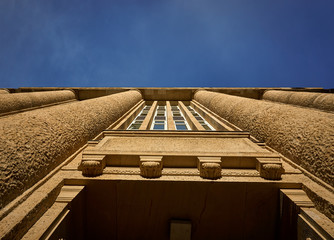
[
  {"x": 33, "y": 143},
  {"x": 306, "y": 136}
]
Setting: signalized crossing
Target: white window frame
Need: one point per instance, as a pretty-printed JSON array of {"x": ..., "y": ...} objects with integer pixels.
[{"x": 156, "y": 115}]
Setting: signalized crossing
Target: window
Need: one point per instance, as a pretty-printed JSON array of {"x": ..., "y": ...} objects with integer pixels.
[
  {"x": 159, "y": 119},
  {"x": 179, "y": 121},
  {"x": 135, "y": 125},
  {"x": 200, "y": 119}
]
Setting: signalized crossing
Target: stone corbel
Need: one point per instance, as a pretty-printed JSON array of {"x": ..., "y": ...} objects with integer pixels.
[
  {"x": 151, "y": 166},
  {"x": 270, "y": 168},
  {"x": 93, "y": 165},
  {"x": 209, "y": 167}
]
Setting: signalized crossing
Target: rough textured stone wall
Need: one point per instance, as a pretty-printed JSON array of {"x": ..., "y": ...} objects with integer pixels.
[
  {"x": 33, "y": 143},
  {"x": 323, "y": 101},
  {"x": 4, "y": 91},
  {"x": 306, "y": 136},
  {"x": 19, "y": 101}
]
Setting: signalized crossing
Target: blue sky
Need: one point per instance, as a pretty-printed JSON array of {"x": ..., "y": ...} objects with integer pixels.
[{"x": 207, "y": 43}]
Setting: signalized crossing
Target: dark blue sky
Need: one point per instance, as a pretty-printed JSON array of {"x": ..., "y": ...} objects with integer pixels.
[{"x": 207, "y": 43}]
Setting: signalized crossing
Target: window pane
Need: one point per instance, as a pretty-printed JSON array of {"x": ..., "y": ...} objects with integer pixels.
[
  {"x": 158, "y": 127},
  {"x": 206, "y": 127},
  {"x": 181, "y": 127},
  {"x": 178, "y": 118},
  {"x": 134, "y": 126},
  {"x": 160, "y": 118}
]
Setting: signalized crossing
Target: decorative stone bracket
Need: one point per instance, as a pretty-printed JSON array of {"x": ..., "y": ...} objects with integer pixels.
[
  {"x": 209, "y": 167},
  {"x": 93, "y": 165},
  {"x": 151, "y": 166},
  {"x": 270, "y": 168}
]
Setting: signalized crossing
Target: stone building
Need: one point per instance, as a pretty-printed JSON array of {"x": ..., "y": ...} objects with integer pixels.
[{"x": 166, "y": 163}]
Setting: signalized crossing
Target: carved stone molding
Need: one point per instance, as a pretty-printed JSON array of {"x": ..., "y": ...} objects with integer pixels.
[
  {"x": 271, "y": 171},
  {"x": 270, "y": 168},
  {"x": 150, "y": 169},
  {"x": 93, "y": 166},
  {"x": 210, "y": 170},
  {"x": 151, "y": 166},
  {"x": 209, "y": 167},
  {"x": 68, "y": 193}
]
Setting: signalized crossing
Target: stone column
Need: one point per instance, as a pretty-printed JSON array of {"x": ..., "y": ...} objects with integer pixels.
[
  {"x": 4, "y": 91},
  {"x": 306, "y": 136},
  {"x": 33, "y": 143},
  {"x": 18, "y": 101},
  {"x": 323, "y": 101}
]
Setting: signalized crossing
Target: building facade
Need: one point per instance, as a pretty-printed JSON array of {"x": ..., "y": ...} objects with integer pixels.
[{"x": 166, "y": 163}]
